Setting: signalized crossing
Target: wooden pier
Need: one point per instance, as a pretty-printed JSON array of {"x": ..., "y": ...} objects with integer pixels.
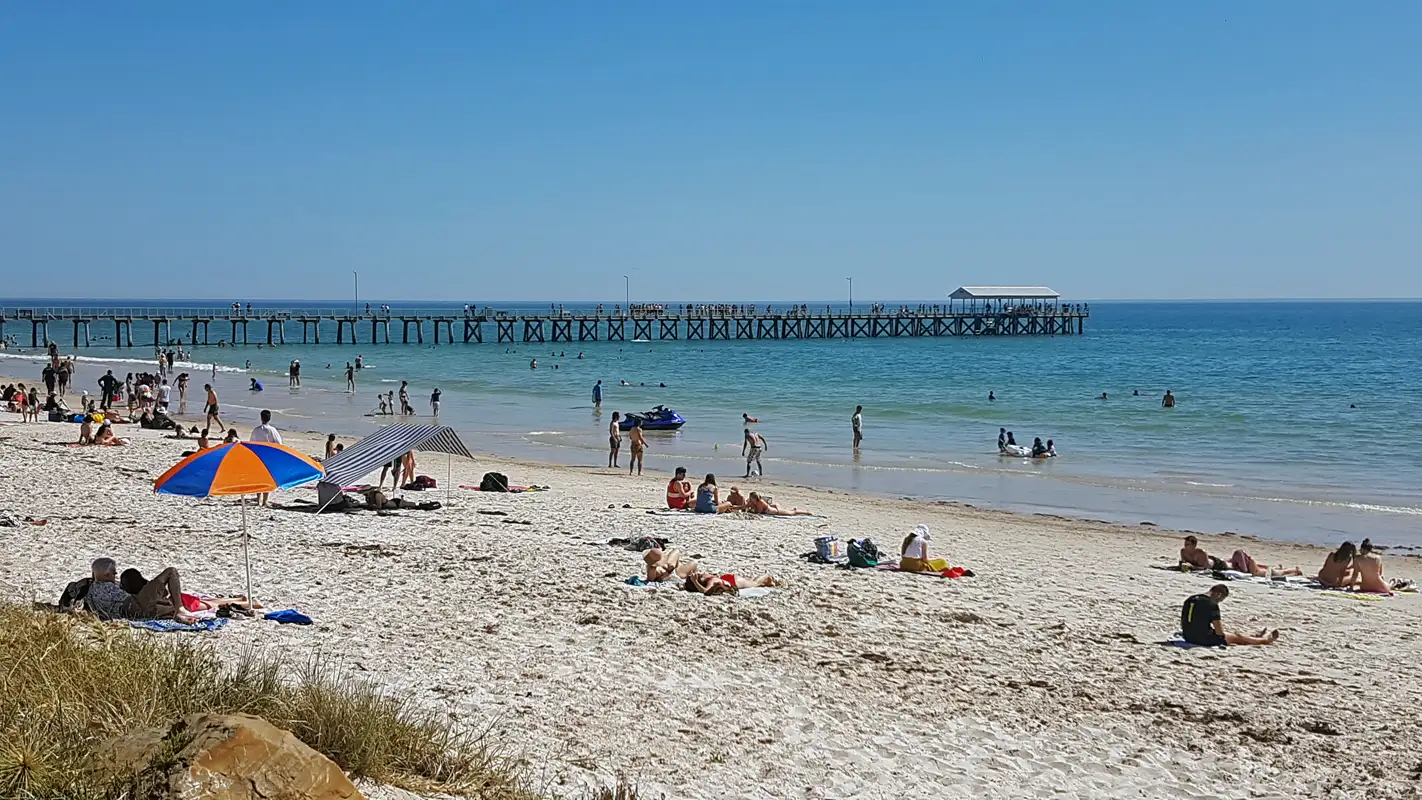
[{"x": 710, "y": 323}]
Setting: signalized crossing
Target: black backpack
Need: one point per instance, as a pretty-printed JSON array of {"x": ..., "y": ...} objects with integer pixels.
[{"x": 494, "y": 482}]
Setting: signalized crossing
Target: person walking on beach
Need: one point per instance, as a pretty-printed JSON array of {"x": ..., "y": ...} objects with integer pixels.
[
  {"x": 350, "y": 378},
  {"x": 614, "y": 439},
  {"x": 857, "y": 421},
  {"x": 182, "y": 390},
  {"x": 639, "y": 445},
  {"x": 751, "y": 447},
  {"x": 1200, "y": 622},
  {"x": 1168, "y": 401},
  {"x": 434, "y": 401},
  {"x": 211, "y": 408},
  {"x": 597, "y": 395},
  {"x": 108, "y": 384},
  {"x": 265, "y": 433}
]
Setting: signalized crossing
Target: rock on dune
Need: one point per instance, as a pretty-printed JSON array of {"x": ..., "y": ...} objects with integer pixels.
[{"x": 226, "y": 757}]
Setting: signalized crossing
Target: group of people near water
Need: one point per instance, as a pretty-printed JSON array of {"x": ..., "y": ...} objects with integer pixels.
[
  {"x": 1007, "y": 445},
  {"x": 706, "y": 499},
  {"x": 1349, "y": 568}
]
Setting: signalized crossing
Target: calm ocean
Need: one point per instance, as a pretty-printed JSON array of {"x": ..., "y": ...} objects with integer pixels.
[{"x": 1265, "y": 439}]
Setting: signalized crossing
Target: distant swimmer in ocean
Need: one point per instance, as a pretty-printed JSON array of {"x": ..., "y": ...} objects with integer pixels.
[
  {"x": 748, "y": 419},
  {"x": 1135, "y": 393},
  {"x": 623, "y": 383},
  {"x": 1102, "y": 397},
  {"x": 1168, "y": 401},
  {"x": 991, "y": 397},
  {"x": 533, "y": 364},
  {"x": 580, "y": 356}
]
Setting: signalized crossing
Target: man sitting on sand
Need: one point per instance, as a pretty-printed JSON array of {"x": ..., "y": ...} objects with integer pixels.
[
  {"x": 679, "y": 494},
  {"x": 1200, "y": 622},
  {"x": 1337, "y": 572},
  {"x": 663, "y": 565},
  {"x": 160, "y": 598}
]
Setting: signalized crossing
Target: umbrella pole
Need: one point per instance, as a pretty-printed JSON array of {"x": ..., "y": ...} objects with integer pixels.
[
  {"x": 247, "y": 558},
  {"x": 448, "y": 471}
]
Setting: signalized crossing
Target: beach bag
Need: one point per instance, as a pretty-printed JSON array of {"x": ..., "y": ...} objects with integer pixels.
[
  {"x": 829, "y": 548},
  {"x": 863, "y": 553},
  {"x": 494, "y": 482}
]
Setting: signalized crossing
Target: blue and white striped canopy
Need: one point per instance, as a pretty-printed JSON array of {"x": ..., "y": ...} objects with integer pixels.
[{"x": 386, "y": 445}]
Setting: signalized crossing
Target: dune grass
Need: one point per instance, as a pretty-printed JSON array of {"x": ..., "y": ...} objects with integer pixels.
[{"x": 69, "y": 685}]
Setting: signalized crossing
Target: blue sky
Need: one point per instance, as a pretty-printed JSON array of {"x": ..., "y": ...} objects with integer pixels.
[{"x": 727, "y": 150}]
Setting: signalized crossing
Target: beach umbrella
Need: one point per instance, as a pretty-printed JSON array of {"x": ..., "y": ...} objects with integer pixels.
[{"x": 239, "y": 468}]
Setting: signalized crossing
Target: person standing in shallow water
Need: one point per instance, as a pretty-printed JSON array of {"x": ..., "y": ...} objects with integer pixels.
[
  {"x": 597, "y": 392},
  {"x": 857, "y": 422},
  {"x": 1168, "y": 401}
]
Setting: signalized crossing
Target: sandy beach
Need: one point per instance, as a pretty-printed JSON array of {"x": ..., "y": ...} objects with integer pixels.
[{"x": 1039, "y": 677}]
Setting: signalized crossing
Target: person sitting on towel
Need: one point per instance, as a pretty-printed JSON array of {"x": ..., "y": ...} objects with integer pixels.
[
  {"x": 707, "y": 583},
  {"x": 1368, "y": 570},
  {"x": 679, "y": 494},
  {"x": 663, "y": 565},
  {"x": 913, "y": 554},
  {"x": 160, "y": 598},
  {"x": 1200, "y": 622},
  {"x": 1338, "y": 571}
]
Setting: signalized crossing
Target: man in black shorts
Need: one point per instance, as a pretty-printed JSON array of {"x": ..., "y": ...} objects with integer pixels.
[{"x": 1200, "y": 622}]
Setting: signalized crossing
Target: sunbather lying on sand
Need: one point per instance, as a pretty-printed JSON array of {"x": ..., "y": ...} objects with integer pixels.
[
  {"x": 160, "y": 598},
  {"x": 1240, "y": 561},
  {"x": 1195, "y": 557},
  {"x": 664, "y": 565},
  {"x": 706, "y": 583},
  {"x": 132, "y": 581},
  {"x": 1200, "y": 621},
  {"x": 757, "y": 505}
]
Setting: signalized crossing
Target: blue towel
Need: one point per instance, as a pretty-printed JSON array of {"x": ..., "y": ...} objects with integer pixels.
[
  {"x": 291, "y": 616},
  {"x": 168, "y": 625},
  {"x": 635, "y": 581}
]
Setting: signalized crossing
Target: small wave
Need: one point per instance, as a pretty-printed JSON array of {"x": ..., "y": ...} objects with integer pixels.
[
  {"x": 40, "y": 357},
  {"x": 1214, "y": 485},
  {"x": 545, "y": 433}
]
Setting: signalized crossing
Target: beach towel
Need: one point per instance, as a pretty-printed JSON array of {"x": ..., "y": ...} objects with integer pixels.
[
  {"x": 511, "y": 489},
  {"x": 951, "y": 572},
  {"x": 171, "y": 626},
  {"x": 288, "y": 616}
]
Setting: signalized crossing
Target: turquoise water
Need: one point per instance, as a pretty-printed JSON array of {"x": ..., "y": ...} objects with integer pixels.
[{"x": 1263, "y": 439}]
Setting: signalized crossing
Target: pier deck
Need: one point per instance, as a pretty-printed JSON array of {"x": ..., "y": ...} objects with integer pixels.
[{"x": 280, "y": 326}]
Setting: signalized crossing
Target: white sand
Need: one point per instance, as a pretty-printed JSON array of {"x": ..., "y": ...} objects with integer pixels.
[{"x": 1035, "y": 679}]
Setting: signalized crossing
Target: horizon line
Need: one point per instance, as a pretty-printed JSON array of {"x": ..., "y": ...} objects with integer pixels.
[{"x": 217, "y": 302}]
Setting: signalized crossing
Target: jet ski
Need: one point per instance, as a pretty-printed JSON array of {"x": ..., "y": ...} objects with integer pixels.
[{"x": 660, "y": 418}]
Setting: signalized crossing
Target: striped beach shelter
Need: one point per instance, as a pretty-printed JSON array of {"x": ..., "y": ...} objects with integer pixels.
[{"x": 382, "y": 447}]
